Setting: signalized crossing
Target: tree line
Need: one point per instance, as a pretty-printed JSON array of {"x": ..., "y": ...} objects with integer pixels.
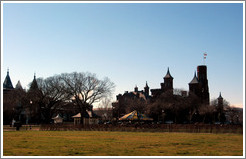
[{"x": 71, "y": 91}]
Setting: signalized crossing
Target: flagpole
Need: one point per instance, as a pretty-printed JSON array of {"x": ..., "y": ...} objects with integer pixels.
[{"x": 204, "y": 57}]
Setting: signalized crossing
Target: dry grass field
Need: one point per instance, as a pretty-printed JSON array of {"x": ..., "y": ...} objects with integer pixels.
[{"x": 97, "y": 143}]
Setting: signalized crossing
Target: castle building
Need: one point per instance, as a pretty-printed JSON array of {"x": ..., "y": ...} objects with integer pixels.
[
  {"x": 18, "y": 85},
  {"x": 7, "y": 84},
  {"x": 166, "y": 86},
  {"x": 34, "y": 84},
  {"x": 119, "y": 107},
  {"x": 220, "y": 103},
  {"x": 194, "y": 86},
  {"x": 199, "y": 85},
  {"x": 146, "y": 89},
  {"x": 11, "y": 100}
]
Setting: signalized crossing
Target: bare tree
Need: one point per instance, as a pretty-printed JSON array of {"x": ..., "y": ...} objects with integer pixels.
[
  {"x": 219, "y": 111},
  {"x": 51, "y": 97},
  {"x": 207, "y": 113},
  {"x": 85, "y": 89},
  {"x": 174, "y": 105},
  {"x": 105, "y": 109},
  {"x": 138, "y": 104}
]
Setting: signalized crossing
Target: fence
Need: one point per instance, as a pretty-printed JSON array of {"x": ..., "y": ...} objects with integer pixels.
[{"x": 189, "y": 128}]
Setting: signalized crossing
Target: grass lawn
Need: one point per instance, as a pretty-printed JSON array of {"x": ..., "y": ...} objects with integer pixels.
[{"x": 103, "y": 143}]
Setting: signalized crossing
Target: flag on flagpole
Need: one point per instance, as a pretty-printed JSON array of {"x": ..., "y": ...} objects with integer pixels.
[{"x": 204, "y": 55}]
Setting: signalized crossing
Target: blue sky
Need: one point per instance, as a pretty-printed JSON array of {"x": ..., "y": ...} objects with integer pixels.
[{"x": 129, "y": 43}]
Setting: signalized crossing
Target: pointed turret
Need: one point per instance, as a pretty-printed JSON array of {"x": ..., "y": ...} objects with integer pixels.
[
  {"x": 168, "y": 82},
  {"x": 34, "y": 84},
  {"x": 146, "y": 86},
  {"x": 220, "y": 96},
  {"x": 194, "y": 80},
  {"x": 146, "y": 89},
  {"x": 136, "y": 89},
  {"x": 220, "y": 103},
  {"x": 7, "y": 84},
  {"x": 168, "y": 75},
  {"x": 194, "y": 86},
  {"x": 18, "y": 85}
]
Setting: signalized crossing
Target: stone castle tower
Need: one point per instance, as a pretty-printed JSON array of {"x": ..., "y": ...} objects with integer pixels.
[
  {"x": 220, "y": 103},
  {"x": 199, "y": 85},
  {"x": 146, "y": 89},
  {"x": 168, "y": 82},
  {"x": 7, "y": 84},
  {"x": 166, "y": 86}
]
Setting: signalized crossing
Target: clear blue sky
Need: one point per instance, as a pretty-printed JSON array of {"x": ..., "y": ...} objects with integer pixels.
[{"x": 129, "y": 43}]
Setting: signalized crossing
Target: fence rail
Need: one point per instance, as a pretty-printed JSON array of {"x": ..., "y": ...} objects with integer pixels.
[{"x": 190, "y": 128}]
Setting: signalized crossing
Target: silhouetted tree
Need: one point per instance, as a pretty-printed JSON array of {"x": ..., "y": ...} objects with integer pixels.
[
  {"x": 85, "y": 89},
  {"x": 105, "y": 109},
  {"x": 52, "y": 96},
  {"x": 207, "y": 113},
  {"x": 138, "y": 104},
  {"x": 219, "y": 110},
  {"x": 173, "y": 105}
]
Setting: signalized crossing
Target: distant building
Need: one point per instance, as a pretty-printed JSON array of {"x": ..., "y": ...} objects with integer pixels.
[
  {"x": 24, "y": 106},
  {"x": 199, "y": 85},
  {"x": 12, "y": 104},
  {"x": 220, "y": 103},
  {"x": 167, "y": 85},
  {"x": 89, "y": 118},
  {"x": 119, "y": 107},
  {"x": 7, "y": 84}
]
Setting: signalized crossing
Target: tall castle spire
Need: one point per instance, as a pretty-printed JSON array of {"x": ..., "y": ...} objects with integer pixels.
[
  {"x": 168, "y": 75},
  {"x": 168, "y": 82},
  {"x": 194, "y": 80},
  {"x": 136, "y": 89},
  {"x": 146, "y": 89},
  {"x": 7, "y": 84},
  {"x": 34, "y": 84}
]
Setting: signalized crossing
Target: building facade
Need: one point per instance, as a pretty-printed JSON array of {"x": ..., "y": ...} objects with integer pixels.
[{"x": 198, "y": 86}]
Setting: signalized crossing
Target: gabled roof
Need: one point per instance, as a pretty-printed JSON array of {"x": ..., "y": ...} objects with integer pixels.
[
  {"x": 88, "y": 114},
  {"x": 7, "y": 84},
  {"x": 57, "y": 117},
  {"x": 168, "y": 75},
  {"x": 194, "y": 80}
]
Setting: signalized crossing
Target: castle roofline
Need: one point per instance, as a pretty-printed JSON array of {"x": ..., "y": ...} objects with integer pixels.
[
  {"x": 220, "y": 96},
  {"x": 34, "y": 84},
  {"x": 146, "y": 86},
  {"x": 168, "y": 75},
  {"x": 18, "y": 85},
  {"x": 194, "y": 80},
  {"x": 7, "y": 84}
]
